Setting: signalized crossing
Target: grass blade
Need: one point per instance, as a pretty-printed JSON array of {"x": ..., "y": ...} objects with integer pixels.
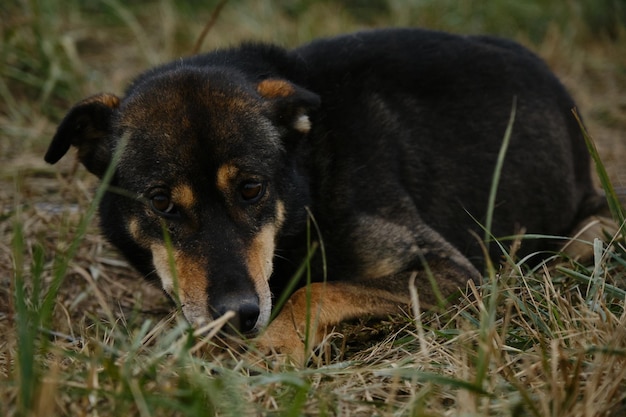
[{"x": 611, "y": 196}]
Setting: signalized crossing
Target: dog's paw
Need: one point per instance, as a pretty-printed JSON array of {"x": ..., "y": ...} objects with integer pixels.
[
  {"x": 282, "y": 338},
  {"x": 580, "y": 247}
]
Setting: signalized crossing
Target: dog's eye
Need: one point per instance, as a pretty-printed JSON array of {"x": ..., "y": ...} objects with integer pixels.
[
  {"x": 252, "y": 191},
  {"x": 162, "y": 204}
]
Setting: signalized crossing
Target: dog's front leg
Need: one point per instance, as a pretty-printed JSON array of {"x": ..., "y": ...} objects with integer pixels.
[{"x": 312, "y": 311}]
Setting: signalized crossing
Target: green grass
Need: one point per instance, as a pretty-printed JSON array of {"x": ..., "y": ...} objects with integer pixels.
[{"x": 81, "y": 334}]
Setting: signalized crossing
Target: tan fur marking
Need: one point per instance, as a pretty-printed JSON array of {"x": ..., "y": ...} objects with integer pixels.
[
  {"x": 111, "y": 100},
  {"x": 107, "y": 99},
  {"x": 191, "y": 276},
  {"x": 134, "y": 230},
  {"x": 260, "y": 264},
  {"x": 261, "y": 253},
  {"x": 280, "y": 214},
  {"x": 273, "y": 88},
  {"x": 188, "y": 285},
  {"x": 225, "y": 174},
  {"x": 183, "y": 195}
]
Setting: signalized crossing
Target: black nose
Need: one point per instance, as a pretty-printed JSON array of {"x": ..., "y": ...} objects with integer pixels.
[{"x": 246, "y": 315}]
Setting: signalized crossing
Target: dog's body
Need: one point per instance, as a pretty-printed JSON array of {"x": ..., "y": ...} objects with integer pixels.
[{"x": 389, "y": 138}]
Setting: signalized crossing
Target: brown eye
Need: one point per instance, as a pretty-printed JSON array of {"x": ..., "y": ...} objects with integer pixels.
[
  {"x": 162, "y": 204},
  {"x": 252, "y": 191}
]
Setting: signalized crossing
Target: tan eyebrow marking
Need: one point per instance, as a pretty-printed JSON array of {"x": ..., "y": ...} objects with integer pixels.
[
  {"x": 183, "y": 195},
  {"x": 225, "y": 174}
]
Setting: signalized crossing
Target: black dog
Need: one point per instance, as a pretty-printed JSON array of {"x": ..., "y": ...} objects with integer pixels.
[{"x": 389, "y": 139}]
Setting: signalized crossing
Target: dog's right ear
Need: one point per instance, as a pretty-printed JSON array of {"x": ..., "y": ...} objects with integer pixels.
[
  {"x": 88, "y": 127},
  {"x": 289, "y": 104}
]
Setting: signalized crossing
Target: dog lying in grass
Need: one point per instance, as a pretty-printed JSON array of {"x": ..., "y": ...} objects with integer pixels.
[{"x": 377, "y": 147}]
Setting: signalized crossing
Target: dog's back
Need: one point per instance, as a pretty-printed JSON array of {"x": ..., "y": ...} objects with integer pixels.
[{"x": 424, "y": 114}]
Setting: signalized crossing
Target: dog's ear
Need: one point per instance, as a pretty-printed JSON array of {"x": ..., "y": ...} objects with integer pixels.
[
  {"x": 289, "y": 104},
  {"x": 88, "y": 127}
]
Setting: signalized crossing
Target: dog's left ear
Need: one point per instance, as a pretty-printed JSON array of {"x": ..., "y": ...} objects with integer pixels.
[
  {"x": 87, "y": 126},
  {"x": 290, "y": 105}
]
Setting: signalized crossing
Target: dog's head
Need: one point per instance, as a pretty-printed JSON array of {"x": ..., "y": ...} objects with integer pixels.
[{"x": 203, "y": 185}]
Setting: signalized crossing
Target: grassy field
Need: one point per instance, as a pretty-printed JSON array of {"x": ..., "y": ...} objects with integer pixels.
[{"x": 82, "y": 335}]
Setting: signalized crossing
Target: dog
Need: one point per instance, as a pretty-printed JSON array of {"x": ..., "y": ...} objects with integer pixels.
[{"x": 378, "y": 148}]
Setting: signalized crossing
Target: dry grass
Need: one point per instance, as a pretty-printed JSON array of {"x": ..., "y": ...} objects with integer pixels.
[{"x": 82, "y": 334}]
